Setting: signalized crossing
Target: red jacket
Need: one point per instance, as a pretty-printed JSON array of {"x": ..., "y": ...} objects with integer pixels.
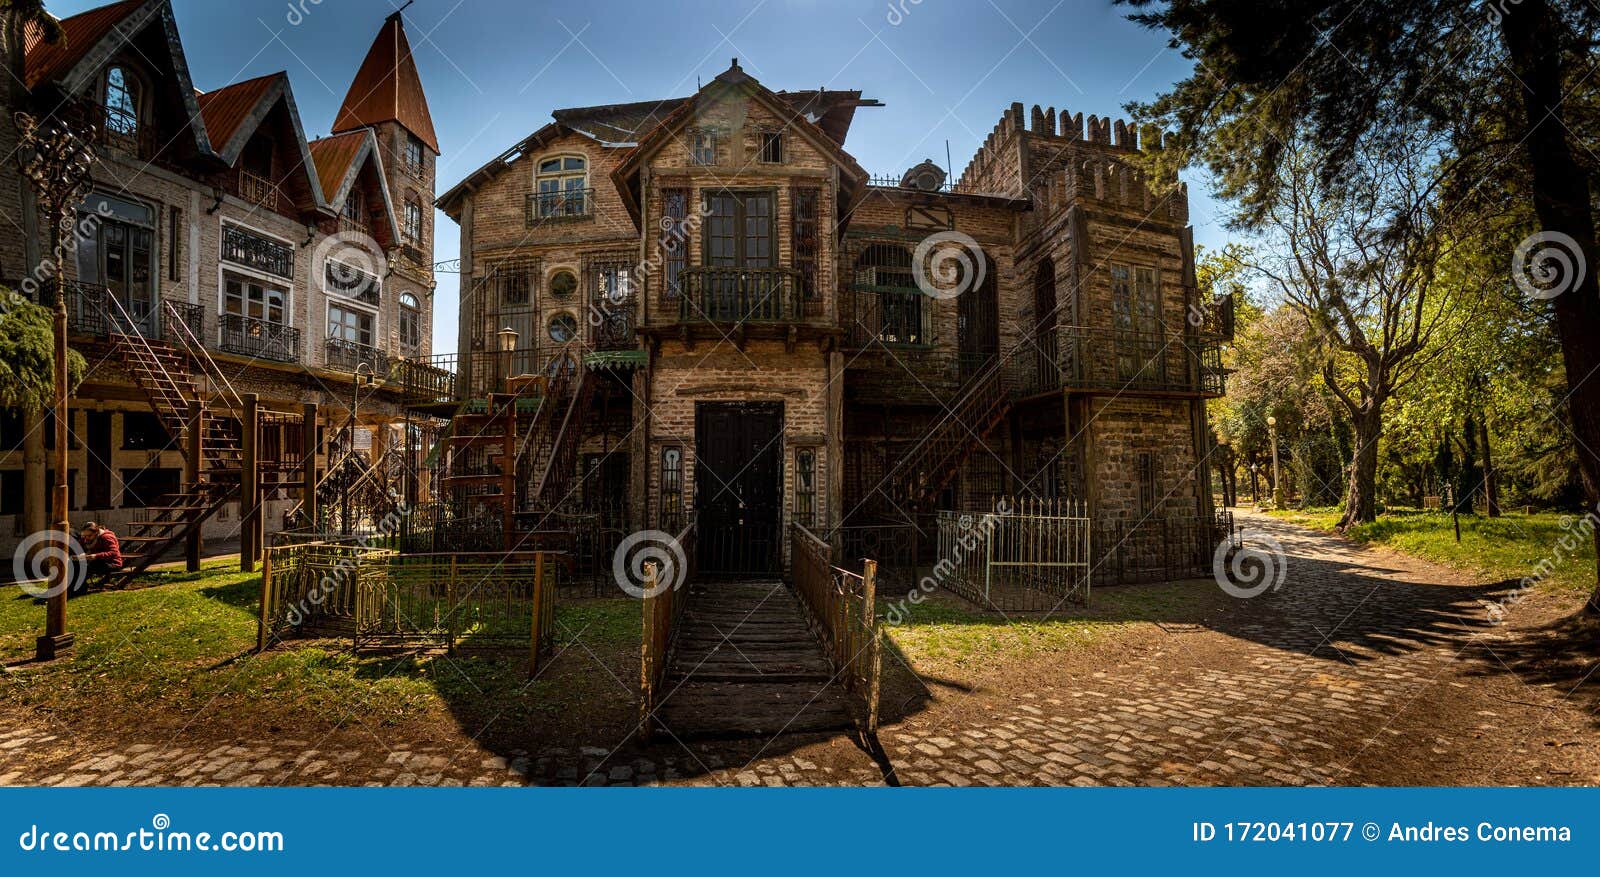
[{"x": 106, "y": 548}]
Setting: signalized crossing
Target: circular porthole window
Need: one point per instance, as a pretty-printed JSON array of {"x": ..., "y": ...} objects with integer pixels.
[
  {"x": 563, "y": 284},
  {"x": 563, "y": 328}
]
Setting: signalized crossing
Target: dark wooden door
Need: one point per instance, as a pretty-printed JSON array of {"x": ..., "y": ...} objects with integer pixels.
[
  {"x": 738, "y": 486},
  {"x": 99, "y": 437},
  {"x": 978, "y": 325}
]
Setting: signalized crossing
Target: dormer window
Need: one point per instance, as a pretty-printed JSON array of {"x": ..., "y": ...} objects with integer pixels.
[
  {"x": 123, "y": 94},
  {"x": 703, "y": 147},
  {"x": 561, "y": 187},
  {"x": 354, "y": 214}
]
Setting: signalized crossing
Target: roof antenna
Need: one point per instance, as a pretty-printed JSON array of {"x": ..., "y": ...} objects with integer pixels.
[
  {"x": 404, "y": 8},
  {"x": 949, "y": 170}
]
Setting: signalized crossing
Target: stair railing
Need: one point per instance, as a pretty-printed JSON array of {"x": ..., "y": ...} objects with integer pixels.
[
  {"x": 565, "y": 438},
  {"x": 197, "y": 352},
  {"x": 133, "y": 328}
]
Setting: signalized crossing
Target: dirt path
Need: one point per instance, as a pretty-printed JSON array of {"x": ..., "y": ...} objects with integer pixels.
[{"x": 1365, "y": 667}]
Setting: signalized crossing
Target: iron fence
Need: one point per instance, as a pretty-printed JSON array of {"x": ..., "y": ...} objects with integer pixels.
[
  {"x": 1159, "y": 549},
  {"x": 740, "y": 295},
  {"x": 381, "y": 598},
  {"x": 1026, "y": 555}
]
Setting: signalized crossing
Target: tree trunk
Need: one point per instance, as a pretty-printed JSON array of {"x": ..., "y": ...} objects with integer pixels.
[
  {"x": 1491, "y": 481},
  {"x": 1360, "y": 498},
  {"x": 1561, "y": 199},
  {"x": 35, "y": 500}
]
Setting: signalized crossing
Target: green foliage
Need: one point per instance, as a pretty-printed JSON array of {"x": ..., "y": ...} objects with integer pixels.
[{"x": 27, "y": 361}]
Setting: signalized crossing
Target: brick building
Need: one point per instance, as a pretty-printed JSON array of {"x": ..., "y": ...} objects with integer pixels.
[
  {"x": 221, "y": 254},
  {"x": 718, "y": 317}
]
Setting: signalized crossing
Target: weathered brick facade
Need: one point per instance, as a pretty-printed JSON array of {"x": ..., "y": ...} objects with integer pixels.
[
  {"x": 191, "y": 167},
  {"x": 1084, "y": 307}
]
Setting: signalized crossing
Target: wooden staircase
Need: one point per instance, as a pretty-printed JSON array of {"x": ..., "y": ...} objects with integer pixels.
[
  {"x": 165, "y": 376},
  {"x": 913, "y": 485}
]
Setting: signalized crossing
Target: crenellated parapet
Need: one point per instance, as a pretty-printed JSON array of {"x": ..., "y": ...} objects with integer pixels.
[{"x": 1047, "y": 153}]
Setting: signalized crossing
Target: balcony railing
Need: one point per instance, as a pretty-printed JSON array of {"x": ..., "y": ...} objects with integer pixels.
[
  {"x": 1117, "y": 359},
  {"x": 86, "y": 306},
  {"x": 426, "y": 379},
  {"x": 259, "y": 339},
  {"x": 348, "y": 356},
  {"x": 740, "y": 295},
  {"x": 260, "y": 190},
  {"x": 566, "y": 204}
]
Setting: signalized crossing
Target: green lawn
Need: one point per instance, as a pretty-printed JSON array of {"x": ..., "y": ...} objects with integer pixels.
[
  {"x": 943, "y": 632},
  {"x": 184, "y": 648},
  {"x": 1507, "y": 547}
]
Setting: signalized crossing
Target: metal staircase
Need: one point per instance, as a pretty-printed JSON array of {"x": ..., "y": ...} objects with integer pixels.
[
  {"x": 981, "y": 404},
  {"x": 167, "y": 377},
  {"x": 561, "y": 462}
]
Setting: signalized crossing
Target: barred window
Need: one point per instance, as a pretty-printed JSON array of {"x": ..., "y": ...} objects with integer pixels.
[
  {"x": 805, "y": 239},
  {"x": 703, "y": 147},
  {"x": 672, "y": 489},
  {"x": 771, "y": 147},
  {"x": 1147, "y": 484},
  {"x": 674, "y": 238},
  {"x": 805, "y": 487}
]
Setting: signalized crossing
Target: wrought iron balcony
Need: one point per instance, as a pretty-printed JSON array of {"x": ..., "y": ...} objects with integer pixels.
[
  {"x": 259, "y": 339},
  {"x": 1124, "y": 360},
  {"x": 260, "y": 190},
  {"x": 426, "y": 379},
  {"x": 889, "y": 316},
  {"x": 565, "y": 204},
  {"x": 348, "y": 356},
  {"x": 86, "y": 306},
  {"x": 740, "y": 295}
]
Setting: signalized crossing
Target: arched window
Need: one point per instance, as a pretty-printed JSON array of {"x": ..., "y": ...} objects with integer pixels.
[
  {"x": 410, "y": 320},
  {"x": 124, "y": 92},
  {"x": 887, "y": 296},
  {"x": 562, "y": 187}
]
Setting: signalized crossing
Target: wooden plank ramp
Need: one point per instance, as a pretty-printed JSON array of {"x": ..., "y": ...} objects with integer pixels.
[{"x": 745, "y": 663}]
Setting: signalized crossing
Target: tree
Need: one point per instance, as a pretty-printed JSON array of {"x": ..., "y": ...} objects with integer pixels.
[
  {"x": 1355, "y": 255},
  {"x": 1347, "y": 72},
  {"x": 27, "y": 356}
]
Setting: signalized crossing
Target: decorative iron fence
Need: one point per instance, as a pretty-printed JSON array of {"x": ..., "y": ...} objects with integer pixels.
[
  {"x": 379, "y": 597},
  {"x": 1116, "y": 359},
  {"x": 1159, "y": 549},
  {"x": 896, "y": 547},
  {"x": 565, "y": 204},
  {"x": 843, "y": 608},
  {"x": 1027, "y": 555}
]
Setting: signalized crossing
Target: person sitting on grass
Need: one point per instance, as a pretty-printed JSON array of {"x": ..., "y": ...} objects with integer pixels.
[{"x": 101, "y": 551}]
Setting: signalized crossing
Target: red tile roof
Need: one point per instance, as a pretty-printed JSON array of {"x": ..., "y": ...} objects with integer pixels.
[
  {"x": 44, "y": 61},
  {"x": 333, "y": 157},
  {"x": 225, "y": 109},
  {"x": 387, "y": 88}
]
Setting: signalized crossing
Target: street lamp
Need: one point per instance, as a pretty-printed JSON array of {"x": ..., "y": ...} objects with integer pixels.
[
  {"x": 508, "y": 343},
  {"x": 55, "y": 157},
  {"x": 1277, "y": 485}
]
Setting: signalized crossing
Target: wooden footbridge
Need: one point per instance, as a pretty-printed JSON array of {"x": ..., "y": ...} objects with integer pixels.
[{"x": 762, "y": 657}]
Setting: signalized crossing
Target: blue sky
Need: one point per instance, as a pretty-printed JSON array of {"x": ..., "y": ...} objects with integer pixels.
[{"x": 494, "y": 69}]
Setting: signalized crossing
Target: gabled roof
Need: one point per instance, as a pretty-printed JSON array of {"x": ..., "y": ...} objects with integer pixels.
[
  {"x": 234, "y": 111},
  {"x": 736, "y": 82},
  {"x": 46, "y": 62},
  {"x": 622, "y": 126},
  {"x": 387, "y": 88},
  {"x": 92, "y": 38},
  {"x": 338, "y": 161}
]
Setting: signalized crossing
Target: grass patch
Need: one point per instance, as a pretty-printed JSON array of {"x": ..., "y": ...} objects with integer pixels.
[
  {"x": 943, "y": 631},
  {"x": 183, "y": 649},
  {"x": 1508, "y": 547}
]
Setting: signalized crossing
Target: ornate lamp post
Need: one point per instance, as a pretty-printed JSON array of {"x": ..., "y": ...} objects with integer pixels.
[
  {"x": 55, "y": 157},
  {"x": 508, "y": 343},
  {"x": 1277, "y": 485}
]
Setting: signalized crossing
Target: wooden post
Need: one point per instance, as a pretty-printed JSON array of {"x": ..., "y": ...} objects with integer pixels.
[
  {"x": 265, "y": 620},
  {"x": 194, "y": 444},
  {"x": 869, "y": 612},
  {"x": 249, "y": 486},
  {"x": 308, "y": 466},
  {"x": 648, "y": 656},
  {"x": 538, "y": 614}
]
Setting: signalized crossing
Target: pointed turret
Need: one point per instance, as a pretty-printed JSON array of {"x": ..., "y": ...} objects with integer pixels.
[{"x": 388, "y": 89}]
